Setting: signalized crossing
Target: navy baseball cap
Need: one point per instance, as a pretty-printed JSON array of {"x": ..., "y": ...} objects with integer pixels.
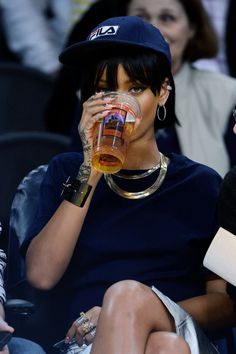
[{"x": 114, "y": 33}]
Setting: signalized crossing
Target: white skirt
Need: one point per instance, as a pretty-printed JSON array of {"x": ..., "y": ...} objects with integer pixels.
[{"x": 187, "y": 328}]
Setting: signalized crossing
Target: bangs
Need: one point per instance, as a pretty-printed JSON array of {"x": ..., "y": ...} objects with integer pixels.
[
  {"x": 148, "y": 68},
  {"x": 141, "y": 68}
]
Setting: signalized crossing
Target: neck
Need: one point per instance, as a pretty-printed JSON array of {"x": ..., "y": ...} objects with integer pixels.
[
  {"x": 176, "y": 66},
  {"x": 142, "y": 156}
]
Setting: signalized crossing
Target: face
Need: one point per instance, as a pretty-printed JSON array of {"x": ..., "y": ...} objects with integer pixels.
[
  {"x": 169, "y": 16},
  {"x": 147, "y": 100}
]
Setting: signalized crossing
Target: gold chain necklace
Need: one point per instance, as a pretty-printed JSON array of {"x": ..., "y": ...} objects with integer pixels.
[
  {"x": 137, "y": 176},
  {"x": 145, "y": 193}
]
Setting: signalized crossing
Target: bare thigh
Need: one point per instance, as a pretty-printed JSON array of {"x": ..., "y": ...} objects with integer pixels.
[{"x": 166, "y": 343}]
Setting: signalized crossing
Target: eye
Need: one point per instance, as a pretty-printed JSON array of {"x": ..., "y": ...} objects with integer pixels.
[
  {"x": 137, "y": 89},
  {"x": 165, "y": 17},
  {"x": 145, "y": 17}
]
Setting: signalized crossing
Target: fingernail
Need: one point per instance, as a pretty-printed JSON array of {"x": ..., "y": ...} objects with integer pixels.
[
  {"x": 108, "y": 99},
  {"x": 67, "y": 339},
  {"x": 106, "y": 112}
]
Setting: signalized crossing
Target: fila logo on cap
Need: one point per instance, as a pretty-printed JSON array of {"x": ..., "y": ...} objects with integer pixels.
[{"x": 103, "y": 31}]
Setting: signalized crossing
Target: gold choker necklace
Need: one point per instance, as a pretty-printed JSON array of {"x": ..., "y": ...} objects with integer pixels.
[
  {"x": 137, "y": 176},
  {"x": 142, "y": 194}
]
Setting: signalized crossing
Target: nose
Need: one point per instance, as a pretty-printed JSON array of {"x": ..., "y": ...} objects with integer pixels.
[{"x": 154, "y": 21}]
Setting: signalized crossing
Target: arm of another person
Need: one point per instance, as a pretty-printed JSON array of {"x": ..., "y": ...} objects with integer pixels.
[
  {"x": 28, "y": 34},
  {"x": 213, "y": 311},
  {"x": 3, "y": 324}
]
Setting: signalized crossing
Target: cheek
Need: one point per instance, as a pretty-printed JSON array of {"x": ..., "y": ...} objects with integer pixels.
[
  {"x": 181, "y": 36},
  {"x": 148, "y": 111}
]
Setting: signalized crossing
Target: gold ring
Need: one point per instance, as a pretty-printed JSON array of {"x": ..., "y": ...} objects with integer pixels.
[
  {"x": 87, "y": 327},
  {"x": 82, "y": 319}
]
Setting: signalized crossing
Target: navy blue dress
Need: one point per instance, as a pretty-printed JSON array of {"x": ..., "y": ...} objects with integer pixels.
[{"x": 159, "y": 240}]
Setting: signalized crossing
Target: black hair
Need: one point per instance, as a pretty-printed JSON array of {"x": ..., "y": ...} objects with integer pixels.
[{"x": 147, "y": 67}]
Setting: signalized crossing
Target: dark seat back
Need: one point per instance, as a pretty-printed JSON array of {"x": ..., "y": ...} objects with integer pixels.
[
  {"x": 23, "y": 210},
  {"x": 21, "y": 152},
  {"x": 24, "y": 95}
]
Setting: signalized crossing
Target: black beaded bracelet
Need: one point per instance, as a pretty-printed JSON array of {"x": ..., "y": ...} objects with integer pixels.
[{"x": 76, "y": 192}]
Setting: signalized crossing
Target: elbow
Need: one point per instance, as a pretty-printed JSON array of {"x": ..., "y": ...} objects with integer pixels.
[{"x": 39, "y": 280}]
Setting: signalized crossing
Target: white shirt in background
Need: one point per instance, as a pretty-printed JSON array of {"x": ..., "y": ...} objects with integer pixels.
[
  {"x": 36, "y": 38},
  {"x": 217, "y": 11}
]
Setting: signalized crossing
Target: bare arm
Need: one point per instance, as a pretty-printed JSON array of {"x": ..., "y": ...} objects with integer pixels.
[
  {"x": 50, "y": 252},
  {"x": 214, "y": 310}
]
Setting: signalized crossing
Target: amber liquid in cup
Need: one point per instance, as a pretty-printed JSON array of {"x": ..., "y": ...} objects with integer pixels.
[
  {"x": 111, "y": 138},
  {"x": 110, "y": 155}
]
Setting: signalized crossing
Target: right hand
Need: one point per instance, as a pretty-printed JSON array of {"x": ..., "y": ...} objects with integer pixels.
[{"x": 94, "y": 109}]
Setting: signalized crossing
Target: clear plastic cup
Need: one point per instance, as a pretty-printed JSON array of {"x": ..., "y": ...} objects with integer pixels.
[{"x": 112, "y": 134}]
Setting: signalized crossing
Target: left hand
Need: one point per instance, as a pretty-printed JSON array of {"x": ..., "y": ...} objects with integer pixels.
[
  {"x": 5, "y": 350},
  {"x": 76, "y": 330},
  {"x": 5, "y": 327}
]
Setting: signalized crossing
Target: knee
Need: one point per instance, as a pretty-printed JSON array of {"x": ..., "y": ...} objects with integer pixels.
[
  {"x": 128, "y": 293},
  {"x": 165, "y": 343}
]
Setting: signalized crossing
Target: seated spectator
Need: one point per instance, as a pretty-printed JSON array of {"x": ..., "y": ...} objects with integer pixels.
[
  {"x": 134, "y": 240},
  {"x": 227, "y": 206},
  {"x": 199, "y": 99},
  {"x": 15, "y": 345},
  {"x": 227, "y": 218}
]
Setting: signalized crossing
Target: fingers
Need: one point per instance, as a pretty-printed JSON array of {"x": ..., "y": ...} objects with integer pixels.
[
  {"x": 94, "y": 108},
  {"x": 4, "y": 326},
  {"x": 4, "y": 350},
  {"x": 83, "y": 328}
]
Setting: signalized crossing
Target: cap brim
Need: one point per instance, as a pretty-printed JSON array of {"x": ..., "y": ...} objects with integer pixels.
[{"x": 87, "y": 51}]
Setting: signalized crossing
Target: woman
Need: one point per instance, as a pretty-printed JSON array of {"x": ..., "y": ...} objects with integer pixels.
[
  {"x": 187, "y": 28},
  {"x": 210, "y": 96},
  {"x": 109, "y": 250}
]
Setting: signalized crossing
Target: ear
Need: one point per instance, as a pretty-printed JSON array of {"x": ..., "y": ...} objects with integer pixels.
[{"x": 164, "y": 92}]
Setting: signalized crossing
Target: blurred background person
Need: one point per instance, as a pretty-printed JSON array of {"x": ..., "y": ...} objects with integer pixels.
[
  {"x": 35, "y": 31},
  {"x": 202, "y": 97},
  {"x": 222, "y": 14}
]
